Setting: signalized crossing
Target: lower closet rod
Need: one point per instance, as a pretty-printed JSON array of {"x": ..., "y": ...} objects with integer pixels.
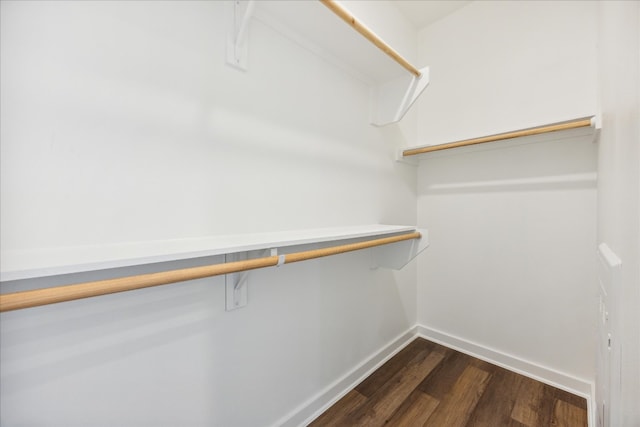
[{"x": 38, "y": 297}]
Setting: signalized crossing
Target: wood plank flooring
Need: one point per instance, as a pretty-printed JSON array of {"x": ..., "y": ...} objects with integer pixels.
[{"x": 429, "y": 385}]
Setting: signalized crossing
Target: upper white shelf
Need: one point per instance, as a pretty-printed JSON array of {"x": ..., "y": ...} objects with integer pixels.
[
  {"x": 581, "y": 127},
  {"x": 343, "y": 38},
  {"x": 316, "y": 28},
  {"x": 17, "y": 265}
]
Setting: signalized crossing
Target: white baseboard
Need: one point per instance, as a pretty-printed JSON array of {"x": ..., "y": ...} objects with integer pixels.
[
  {"x": 516, "y": 364},
  {"x": 312, "y": 408}
]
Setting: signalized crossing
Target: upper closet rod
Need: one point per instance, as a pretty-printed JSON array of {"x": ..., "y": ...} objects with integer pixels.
[
  {"x": 578, "y": 123},
  {"x": 37, "y": 297},
  {"x": 369, "y": 35}
]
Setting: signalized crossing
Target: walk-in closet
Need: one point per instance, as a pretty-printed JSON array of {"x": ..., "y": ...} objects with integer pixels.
[{"x": 262, "y": 213}]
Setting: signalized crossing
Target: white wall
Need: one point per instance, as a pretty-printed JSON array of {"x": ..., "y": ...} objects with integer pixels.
[
  {"x": 497, "y": 66},
  {"x": 511, "y": 266},
  {"x": 619, "y": 185},
  {"x": 121, "y": 122}
]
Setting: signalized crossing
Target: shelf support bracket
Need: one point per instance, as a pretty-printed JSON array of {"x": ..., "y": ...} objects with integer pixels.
[
  {"x": 236, "y": 284},
  {"x": 399, "y": 254},
  {"x": 237, "y": 39},
  {"x": 392, "y": 100}
]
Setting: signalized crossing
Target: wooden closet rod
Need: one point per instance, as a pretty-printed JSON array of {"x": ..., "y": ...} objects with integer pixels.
[
  {"x": 336, "y": 8},
  {"x": 34, "y": 298},
  {"x": 586, "y": 122}
]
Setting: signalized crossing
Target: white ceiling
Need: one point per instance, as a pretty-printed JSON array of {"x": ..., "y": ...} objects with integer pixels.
[{"x": 424, "y": 12}]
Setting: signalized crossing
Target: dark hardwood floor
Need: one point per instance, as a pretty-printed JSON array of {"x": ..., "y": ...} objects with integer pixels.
[{"x": 427, "y": 384}]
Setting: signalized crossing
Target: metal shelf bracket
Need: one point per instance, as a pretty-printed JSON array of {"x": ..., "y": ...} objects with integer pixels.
[
  {"x": 236, "y": 284},
  {"x": 392, "y": 100}
]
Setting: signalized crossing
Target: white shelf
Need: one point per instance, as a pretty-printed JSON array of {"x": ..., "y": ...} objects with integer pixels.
[
  {"x": 313, "y": 26},
  {"x": 587, "y": 132},
  {"x": 18, "y": 265}
]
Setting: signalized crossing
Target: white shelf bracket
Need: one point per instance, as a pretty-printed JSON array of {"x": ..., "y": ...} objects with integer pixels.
[
  {"x": 392, "y": 100},
  {"x": 236, "y": 284},
  {"x": 397, "y": 255},
  {"x": 596, "y": 124},
  {"x": 237, "y": 37}
]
